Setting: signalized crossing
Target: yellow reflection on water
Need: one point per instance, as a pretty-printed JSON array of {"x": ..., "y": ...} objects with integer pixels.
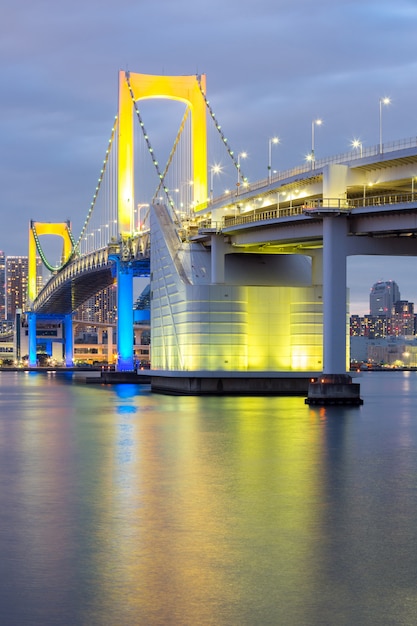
[
  {"x": 124, "y": 507},
  {"x": 214, "y": 503}
]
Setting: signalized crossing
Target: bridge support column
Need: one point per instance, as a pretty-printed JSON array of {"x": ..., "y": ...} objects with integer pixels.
[
  {"x": 110, "y": 345},
  {"x": 32, "y": 362},
  {"x": 335, "y": 385},
  {"x": 69, "y": 341},
  {"x": 334, "y": 294},
  {"x": 217, "y": 259},
  {"x": 317, "y": 267},
  {"x": 124, "y": 317}
]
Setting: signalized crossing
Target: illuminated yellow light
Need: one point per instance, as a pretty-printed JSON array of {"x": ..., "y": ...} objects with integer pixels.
[
  {"x": 182, "y": 88},
  {"x": 44, "y": 228}
]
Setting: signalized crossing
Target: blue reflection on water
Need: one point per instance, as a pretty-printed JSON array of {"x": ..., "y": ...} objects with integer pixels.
[{"x": 120, "y": 506}]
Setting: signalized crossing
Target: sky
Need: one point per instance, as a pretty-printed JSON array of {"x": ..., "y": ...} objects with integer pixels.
[{"x": 272, "y": 67}]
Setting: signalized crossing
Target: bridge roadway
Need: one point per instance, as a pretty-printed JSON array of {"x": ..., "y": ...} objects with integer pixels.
[
  {"x": 87, "y": 275},
  {"x": 284, "y": 215},
  {"x": 372, "y": 198},
  {"x": 376, "y": 194}
]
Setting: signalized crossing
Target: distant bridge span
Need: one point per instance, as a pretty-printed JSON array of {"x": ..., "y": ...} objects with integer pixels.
[{"x": 84, "y": 277}]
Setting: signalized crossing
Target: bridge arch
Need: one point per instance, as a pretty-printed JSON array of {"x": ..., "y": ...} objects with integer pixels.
[
  {"x": 185, "y": 89},
  {"x": 62, "y": 229}
]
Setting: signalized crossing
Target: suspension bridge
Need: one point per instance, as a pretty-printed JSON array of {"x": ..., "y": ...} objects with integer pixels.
[{"x": 249, "y": 286}]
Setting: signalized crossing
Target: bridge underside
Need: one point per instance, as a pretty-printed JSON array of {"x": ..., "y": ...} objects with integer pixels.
[
  {"x": 64, "y": 296},
  {"x": 73, "y": 293}
]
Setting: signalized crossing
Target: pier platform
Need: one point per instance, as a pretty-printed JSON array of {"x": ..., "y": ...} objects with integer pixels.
[
  {"x": 109, "y": 377},
  {"x": 333, "y": 389},
  {"x": 227, "y": 383}
]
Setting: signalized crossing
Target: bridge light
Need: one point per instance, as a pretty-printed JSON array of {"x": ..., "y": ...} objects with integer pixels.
[
  {"x": 242, "y": 155},
  {"x": 357, "y": 144},
  {"x": 314, "y": 123},
  {"x": 275, "y": 141},
  {"x": 215, "y": 169},
  {"x": 382, "y": 101}
]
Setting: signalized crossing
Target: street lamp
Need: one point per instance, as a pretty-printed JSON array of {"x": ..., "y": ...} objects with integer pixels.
[
  {"x": 215, "y": 169},
  {"x": 313, "y": 124},
  {"x": 243, "y": 155},
  {"x": 382, "y": 101},
  {"x": 273, "y": 140},
  {"x": 412, "y": 188},
  {"x": 357, "y": 144}
]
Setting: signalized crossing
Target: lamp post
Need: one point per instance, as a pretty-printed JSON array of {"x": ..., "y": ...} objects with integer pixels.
[
  {"x": 215, "y": 169},
  {"x": 273, "y": 140},
  {"x": 243, "y": 155},
  {"x": 382, "y": 101},
  {"x": 313, "y": 125},
  {"x": 357, "y": 145}
]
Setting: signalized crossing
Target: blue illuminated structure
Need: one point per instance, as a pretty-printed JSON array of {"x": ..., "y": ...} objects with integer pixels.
[
  {"x": 67, "y": 337},
  {"x": 124, "y": 316},
  {"x": 69, "y": 341},
  {"x": 32, "y": 362}
]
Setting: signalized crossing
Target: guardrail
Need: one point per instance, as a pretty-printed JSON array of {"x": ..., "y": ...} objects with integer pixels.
[
  {"x": 398, "y": 198},
  {"x": 261, "y": 215},
  {"x": 309, "y": 206},
  {"x": 309, "y": 168}
]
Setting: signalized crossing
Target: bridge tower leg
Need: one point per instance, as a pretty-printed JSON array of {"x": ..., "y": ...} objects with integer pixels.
[
  {"x": 69, "y": 341},
  {"x": 32, "y": 362},
  {"x": 124, "y": 317}
]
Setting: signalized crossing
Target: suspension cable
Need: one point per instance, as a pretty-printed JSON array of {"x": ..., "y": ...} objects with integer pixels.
[
  {"x": 219, "y": 129},
  {"x": 41, "y": 253},
  {"x": 100, "y": 180},
  {"x": 173, "y": 150},
  {"x": 150, "y": 149}
]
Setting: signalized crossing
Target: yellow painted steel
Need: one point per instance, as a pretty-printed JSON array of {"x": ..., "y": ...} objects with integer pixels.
[
  {"x": 44, "y": 228},
  {"x": 144, "y": 86}
]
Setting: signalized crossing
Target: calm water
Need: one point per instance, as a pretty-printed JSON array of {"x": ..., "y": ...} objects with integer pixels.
[{"x": 122, "y": 507}]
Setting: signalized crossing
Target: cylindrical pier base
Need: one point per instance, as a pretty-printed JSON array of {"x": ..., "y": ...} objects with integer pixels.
[{"x": 334, "y": 389}]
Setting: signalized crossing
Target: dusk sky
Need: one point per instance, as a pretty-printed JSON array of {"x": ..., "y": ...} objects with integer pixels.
[{"x": 272, "y": 67}]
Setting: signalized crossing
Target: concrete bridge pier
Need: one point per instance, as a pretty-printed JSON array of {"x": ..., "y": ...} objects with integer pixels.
[
  {"x": 334, "y": 294},
  {"x": 335, "y": 385},
  {"x": 124, "y": 317},
  {"x": 69, "y": 341},
  {"x": 32, "y": 362}
]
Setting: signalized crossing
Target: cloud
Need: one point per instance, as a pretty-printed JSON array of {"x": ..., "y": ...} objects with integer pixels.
[{"x": 272, "y": 67}]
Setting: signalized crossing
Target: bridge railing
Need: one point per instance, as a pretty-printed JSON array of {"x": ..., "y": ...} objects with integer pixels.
[
  {"x": 272, "y": 213},
  {"x": 397, "y": 198},
  {"x": 345, "y": 157},
  {"x": 309, "y": 206}
]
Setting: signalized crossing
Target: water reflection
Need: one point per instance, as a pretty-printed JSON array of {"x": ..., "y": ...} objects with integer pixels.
[{"x": 126, "y": 507}]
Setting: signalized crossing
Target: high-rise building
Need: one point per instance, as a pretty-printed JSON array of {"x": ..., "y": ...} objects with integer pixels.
[
  {"x": 2, "y": 286},
  {"x": 16, "y": 284},
  {"x": 402, "y": 318},
  {"x": 382, "y": 298},
  {"x": 101, "y": 308}
]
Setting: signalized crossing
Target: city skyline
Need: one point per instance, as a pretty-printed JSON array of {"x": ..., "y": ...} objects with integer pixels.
[
  {"x": 359, "y": 296},
  {"x": 60, "y": 65}
]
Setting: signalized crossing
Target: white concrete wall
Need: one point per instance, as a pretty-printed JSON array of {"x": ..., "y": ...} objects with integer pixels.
[{"x": 196, "y": 325}]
